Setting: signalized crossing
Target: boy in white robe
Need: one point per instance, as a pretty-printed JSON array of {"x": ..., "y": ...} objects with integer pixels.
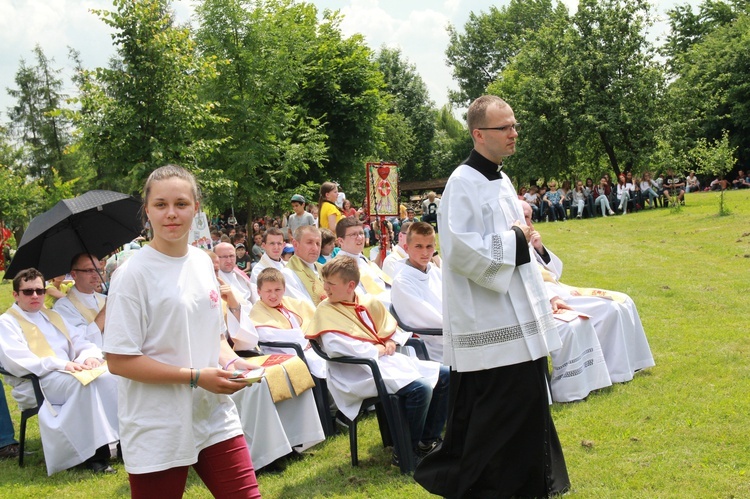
[
  {"x": 417, "y": 288},
  {"x": 398, "y": 254},
  {"x": 77, "y": 421},
  {"x": 280, "y": 318},
  {"x": 348, "y": 324}
]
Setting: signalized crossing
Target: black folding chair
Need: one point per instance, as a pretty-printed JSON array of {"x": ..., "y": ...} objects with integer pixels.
[
  {"x": 417, "y": 343},
  {"x": 390, "y": 409},
  {"x": 27, "y": 413}
]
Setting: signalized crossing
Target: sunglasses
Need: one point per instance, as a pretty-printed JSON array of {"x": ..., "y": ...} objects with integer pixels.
[{"x": 30, "y": 291}]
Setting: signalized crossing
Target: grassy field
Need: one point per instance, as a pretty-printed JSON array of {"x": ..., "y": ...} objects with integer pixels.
[{"x": 680, "y": 429}]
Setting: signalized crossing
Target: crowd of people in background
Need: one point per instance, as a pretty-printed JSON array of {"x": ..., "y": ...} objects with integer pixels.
[{"x": 627, "y": 193}]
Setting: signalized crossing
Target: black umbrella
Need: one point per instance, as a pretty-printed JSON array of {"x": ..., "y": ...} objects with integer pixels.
[{"x": 97, "y": 222}]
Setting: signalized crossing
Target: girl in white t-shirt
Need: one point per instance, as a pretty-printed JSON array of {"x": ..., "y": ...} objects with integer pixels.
[{"x": 165, "y": 338}]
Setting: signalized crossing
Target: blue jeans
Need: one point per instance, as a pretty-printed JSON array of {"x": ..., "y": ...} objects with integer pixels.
[
  {"x": 426, "y": 407},
  {"x": 6, "y": 424}
]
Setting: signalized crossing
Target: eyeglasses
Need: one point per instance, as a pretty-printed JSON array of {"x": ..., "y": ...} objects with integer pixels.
[
  {"x": 514, "y": 126},
  {"x": 87, "y": 271},
  {"x": 31, "y": 291},
  {"x": 356, "y": 235}
]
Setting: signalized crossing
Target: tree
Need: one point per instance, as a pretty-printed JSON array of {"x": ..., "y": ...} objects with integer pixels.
[
  {"x": 37, "y": 117},
  {"x": 145, "y": 109},
  {"x": 611, "y": 83},
  {"x": 410, "y": 113},
  {"x": 710, "y": 93},
  {"x": 715, "y": 159},
  {"x": 489, "y": 42},
  {"x": 273, "y": 141},
  {"x": 19, "y": 194},
  {"x": 451, "y": 143}
]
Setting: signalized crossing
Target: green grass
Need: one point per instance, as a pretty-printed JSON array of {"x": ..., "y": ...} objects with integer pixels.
[{"x": 680, "y": 429}]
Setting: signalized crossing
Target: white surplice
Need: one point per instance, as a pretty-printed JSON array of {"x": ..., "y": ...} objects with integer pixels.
[
  {"x": 392, "y": 263},
  {"x": 578, "y": 367},
  {"x": 617, "y": 325},
  {"x": 494, "y": 313},
  {"x": 418, "y": 301},
  {"x": 240, "y": 283},
  {"x": 265, "y": 262},
  {"x": 70, "y": 313},
  {"x": 273, "y": 429},
  {"x": 75, "y": 420}
]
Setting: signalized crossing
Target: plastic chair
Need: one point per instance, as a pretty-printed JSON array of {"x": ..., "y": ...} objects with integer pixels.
[
  {"x": 390, "y": 409},
  {"x": 320, "y": 390},
  {"x": 27, "y": 413},
  {"x": 417, "y": 343}
]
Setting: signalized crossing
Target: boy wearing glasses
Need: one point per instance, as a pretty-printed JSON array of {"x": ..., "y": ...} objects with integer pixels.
[
  {"x": 373, "y": 281},
  {"x": 83, "y": 307},
  {"x": 80, "y": 420}
]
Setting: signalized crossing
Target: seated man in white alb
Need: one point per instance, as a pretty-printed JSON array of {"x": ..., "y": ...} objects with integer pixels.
[
  {"x": 83, "y": 307},
  {"x": 230, "y": 274},
  {"x": 77, "y": 421},
  {"x": 578, "y": 366},
  {"x": 417, "y": 291},
  {"x": 302, "y": 271},
  {"x": 613, "y": 315},
  {"x": 398, "y": 253},
  {"x": 273, "y": 245},
  {"x": 373, "y": 281},
  {"x": 282, "y": 318}
]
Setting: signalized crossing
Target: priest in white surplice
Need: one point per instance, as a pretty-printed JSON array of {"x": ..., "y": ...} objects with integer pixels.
[
  {"x": 230, "y": 274},
  {"x": 373, "y": 281},
  {"x": 498, "y": 330},
  {"x": 78, "y": 420},
  {"x": 302, "y": 271},
  {"x": 273, "y": 245},
  {"x": 417, "y": 291},
  {"x": 83, "y": 307}
]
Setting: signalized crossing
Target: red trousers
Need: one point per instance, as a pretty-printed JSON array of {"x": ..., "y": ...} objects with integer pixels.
[{"x": 225, "y": 468}]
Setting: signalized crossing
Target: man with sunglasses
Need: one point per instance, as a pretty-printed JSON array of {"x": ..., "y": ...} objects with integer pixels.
[
  {"x": 498, "y": 330},
  {"x": 83, "y": 307},
  {"x": 79, "y": 419}
]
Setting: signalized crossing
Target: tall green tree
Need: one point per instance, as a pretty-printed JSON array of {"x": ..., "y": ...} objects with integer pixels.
[
  {"x": 410, "y": 104},
  {"x": 451, "y": 143},
  {"x": 612, "y": 84},
  {"x": 146, "y": 108},
  {"x": 20, "y": 195},
  {"x": 489, "y": 42},
  {"x": 37, "y": 118},
  {"x": 710, "y": 92}
]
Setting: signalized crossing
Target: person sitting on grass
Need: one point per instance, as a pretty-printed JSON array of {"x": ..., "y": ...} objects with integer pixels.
[
  {"x": 281, "y": 318},
  {"x": 349, "y": 324}
]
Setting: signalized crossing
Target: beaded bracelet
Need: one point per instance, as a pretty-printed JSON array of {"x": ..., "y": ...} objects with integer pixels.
[{"x": 192, "y": 383}]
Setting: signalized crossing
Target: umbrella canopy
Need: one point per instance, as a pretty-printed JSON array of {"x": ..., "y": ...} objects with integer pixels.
[{"x": 97, "y": 222}]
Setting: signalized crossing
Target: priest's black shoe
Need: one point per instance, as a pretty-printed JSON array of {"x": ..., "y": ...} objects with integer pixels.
[{"x": 100, "y": 467}]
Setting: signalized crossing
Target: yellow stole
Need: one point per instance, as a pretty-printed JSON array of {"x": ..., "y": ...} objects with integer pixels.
[
  {"x": 344, "y": 318},
  {"x": 89, "y": 314},
  {"x": 312, "y": 282},
  {"x": 40, "y": 347},
  {"x": 263, "y": 315},
  {"x": 601, "y": 293},
  {"x": 367, "y": 278}
]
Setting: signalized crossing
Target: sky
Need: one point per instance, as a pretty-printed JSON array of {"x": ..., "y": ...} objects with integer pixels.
[{"x": 417, "y": 27}]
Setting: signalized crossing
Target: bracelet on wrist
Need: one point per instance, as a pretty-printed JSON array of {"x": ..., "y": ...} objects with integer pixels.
[
  {"x": 234, "y": 309},
  {"x": 197, "y": 377},
  {"x": 226, "y": 367},
  {"x": 192, "y": 377}
]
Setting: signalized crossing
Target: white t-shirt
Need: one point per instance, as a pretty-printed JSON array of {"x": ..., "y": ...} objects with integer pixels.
[{"x": 169, "y": 309}]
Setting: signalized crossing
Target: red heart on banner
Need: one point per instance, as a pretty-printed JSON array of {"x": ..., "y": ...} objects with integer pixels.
[{"x": 383, "y": 172}]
